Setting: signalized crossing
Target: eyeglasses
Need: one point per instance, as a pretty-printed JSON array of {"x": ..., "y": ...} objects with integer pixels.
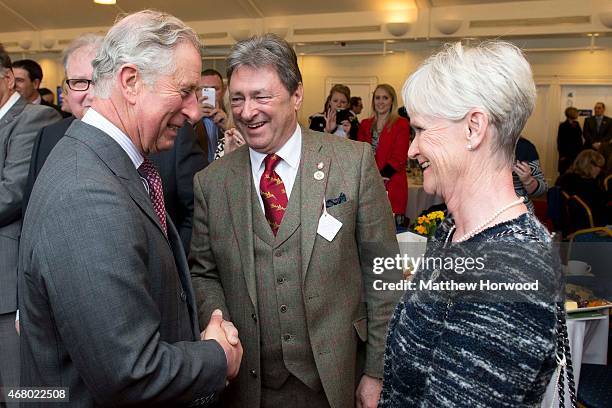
[{"x": 79, "y": 84}]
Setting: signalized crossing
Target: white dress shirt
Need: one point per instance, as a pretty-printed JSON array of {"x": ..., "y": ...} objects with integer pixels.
[
  {"x": 286, "y": 169},
  {"x": 9, "y": 104},
  {"x": 98, "y": 121}
]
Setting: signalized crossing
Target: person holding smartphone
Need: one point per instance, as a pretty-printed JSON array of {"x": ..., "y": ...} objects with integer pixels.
[
  {"x": 336, "y": 116},
  {"x": 214, "y": 122}
]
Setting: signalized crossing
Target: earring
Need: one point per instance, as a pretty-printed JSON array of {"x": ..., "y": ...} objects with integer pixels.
[{"x": 469, "y": 147}]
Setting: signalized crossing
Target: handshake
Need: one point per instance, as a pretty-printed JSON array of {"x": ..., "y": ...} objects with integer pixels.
[{"x": 226, "y": 334}]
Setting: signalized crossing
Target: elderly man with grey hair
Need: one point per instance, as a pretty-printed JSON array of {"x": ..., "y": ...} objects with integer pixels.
[
  {"x": 107, "y": 307},
  {"x": 480, "y": 347},
  {"x": 282, "y": 229}
]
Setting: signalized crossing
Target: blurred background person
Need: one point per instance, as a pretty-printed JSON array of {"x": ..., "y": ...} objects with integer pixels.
[
  {"x": 582, "y": 179},
  {"x": 389, "y": 135},
  {"x": 214, "y": 122},
  {"x": 356, "y": 105},
  {"x": 527, "y": 175},
  {"x": 335, "y": 112},
  {"x": 569, "y": 139},
  {"x": 597, "y": 128},
  {"x": 47, "y": 95}
]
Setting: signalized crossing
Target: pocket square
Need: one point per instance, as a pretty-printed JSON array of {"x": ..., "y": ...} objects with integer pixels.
[{"x": 335, "y": 201}]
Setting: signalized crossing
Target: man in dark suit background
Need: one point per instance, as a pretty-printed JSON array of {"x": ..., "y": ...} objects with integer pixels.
[
  {"x": 106, "y": 303},
  {"x": 597, "y": 128},
  {"x": 19, "y": 123}
]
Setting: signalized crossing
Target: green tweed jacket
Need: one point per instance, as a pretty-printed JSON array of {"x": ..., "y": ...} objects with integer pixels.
[{"x": 343, "y": 311}]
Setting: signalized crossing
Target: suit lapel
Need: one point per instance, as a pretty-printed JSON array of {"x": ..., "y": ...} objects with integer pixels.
[
  {"x": 312, "y": 192},
  {"x": 120, "y": 164},
  {"x": 15, "y": 110},
  {"x": 238, "y": 187}
]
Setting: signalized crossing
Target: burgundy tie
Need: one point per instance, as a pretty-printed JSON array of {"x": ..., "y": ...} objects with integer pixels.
[
  {"x": 156, "y": 192},
  {"x": 273, "y": 193}
]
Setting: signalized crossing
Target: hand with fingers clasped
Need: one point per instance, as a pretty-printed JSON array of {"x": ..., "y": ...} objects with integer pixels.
[{"x": 226, "y": 334}]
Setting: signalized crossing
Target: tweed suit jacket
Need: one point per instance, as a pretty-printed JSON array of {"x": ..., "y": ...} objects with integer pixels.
[
  {"x": 106, "y": 305},
  {"x": 18, "y": 128},
  {"x": 342, "y": 309}
]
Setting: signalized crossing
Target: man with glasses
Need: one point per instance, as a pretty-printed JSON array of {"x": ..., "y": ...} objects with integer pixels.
[
  {"x": 79, "y": 92},
  {"x": 19, "y": 122}
]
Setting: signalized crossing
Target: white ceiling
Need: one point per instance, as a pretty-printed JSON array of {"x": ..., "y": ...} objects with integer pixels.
[{"x": 36, "y": 15}]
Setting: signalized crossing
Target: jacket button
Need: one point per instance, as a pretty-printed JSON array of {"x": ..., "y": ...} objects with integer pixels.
[
  {"x": 253, "y": 373},
  {"x": 254, "y": 317},
  {"x": 183, "y": 296},
  {"x": 283, "y": 308},
  {"x": 278, "y": 254},
  {"x": 280, "y": 281},
  {"x": 286, "y": 337}
]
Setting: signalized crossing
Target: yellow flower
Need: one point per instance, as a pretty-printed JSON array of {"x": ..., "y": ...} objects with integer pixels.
[
  {"x": 420, "y": 220},
  {"x": 420, "y": 229}
]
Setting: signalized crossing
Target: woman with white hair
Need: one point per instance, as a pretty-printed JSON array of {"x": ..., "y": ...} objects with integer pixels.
[{"x": 451, "y": 343}]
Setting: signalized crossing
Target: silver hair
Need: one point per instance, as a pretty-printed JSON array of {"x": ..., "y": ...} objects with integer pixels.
[
  {"x": 493, "y": 75},
  {"x": 88, "y": 40},
  {"x": 146, "y": 39},
  {"x": 266, "y": 50}
]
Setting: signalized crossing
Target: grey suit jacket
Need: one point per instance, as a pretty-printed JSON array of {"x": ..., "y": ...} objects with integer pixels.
[
  {"x": 106, "y": 305},
  {"x": 18, "y": 129},
  {"x": 342, "y": 308}
]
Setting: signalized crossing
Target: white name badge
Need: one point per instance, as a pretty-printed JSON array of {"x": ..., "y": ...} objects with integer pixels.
[{"x": 328, "y": 225}]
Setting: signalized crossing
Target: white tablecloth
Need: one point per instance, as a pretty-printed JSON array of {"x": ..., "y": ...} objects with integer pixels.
[
  {"x": 589, "y": 344},
  {"x": 419, "y": 200}
]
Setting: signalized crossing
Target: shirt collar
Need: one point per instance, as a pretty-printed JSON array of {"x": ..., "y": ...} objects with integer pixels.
[
  {"x": 98, "y": 121},
  {"x": 290, "y": 152},
  {"x": 12, "y": 100}
]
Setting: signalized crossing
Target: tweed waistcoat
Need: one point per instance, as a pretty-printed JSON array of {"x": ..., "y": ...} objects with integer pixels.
[{"x": 285, "y": 344}]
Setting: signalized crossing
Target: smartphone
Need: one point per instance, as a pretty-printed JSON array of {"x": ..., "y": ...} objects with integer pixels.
[
  {"x": 342, "y": 115},
  {"x": 210, "y": 95}
]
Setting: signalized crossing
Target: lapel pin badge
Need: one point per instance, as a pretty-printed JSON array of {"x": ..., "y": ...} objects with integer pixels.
[
  {"x": 320, "y": 165},
  {"x": 319, "y": 175}
]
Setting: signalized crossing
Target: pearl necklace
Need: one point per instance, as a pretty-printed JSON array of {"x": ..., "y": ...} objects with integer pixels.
[{"x": 482, "y": 226}]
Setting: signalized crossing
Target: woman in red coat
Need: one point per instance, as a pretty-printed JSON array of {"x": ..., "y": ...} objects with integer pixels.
[{"x": 389, "y": 135}]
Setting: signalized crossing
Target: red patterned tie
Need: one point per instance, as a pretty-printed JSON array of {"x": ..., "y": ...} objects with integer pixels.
[
  {"x": 273, "y": 193},
  {"x": 156, "y": 192}
]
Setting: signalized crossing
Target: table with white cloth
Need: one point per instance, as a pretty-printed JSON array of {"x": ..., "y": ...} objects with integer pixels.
[
  {"x": 588, "y": 340},
  {"x": 418, "y": 199}
]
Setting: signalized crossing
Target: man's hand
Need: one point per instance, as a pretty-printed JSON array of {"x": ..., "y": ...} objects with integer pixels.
[
  {"x": 368, "y": 392},
  {"x": 216, "y": 114},
  {"x": 224, "y": 333}
]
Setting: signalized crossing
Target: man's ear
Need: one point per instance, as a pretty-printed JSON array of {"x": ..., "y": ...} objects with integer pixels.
[
  {"x": 298, "y": 97},
  {"x": 36, "y": 83},
  {"x": 130, "y": 82},
  {"x": 477, "y": 124}
]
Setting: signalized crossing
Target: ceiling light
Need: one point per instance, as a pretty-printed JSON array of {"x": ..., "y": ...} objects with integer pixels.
[
  {"x": 448, "y": 26},
  {"x": 398, "y": 29},
  {"x": 108, "y": 2}
]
